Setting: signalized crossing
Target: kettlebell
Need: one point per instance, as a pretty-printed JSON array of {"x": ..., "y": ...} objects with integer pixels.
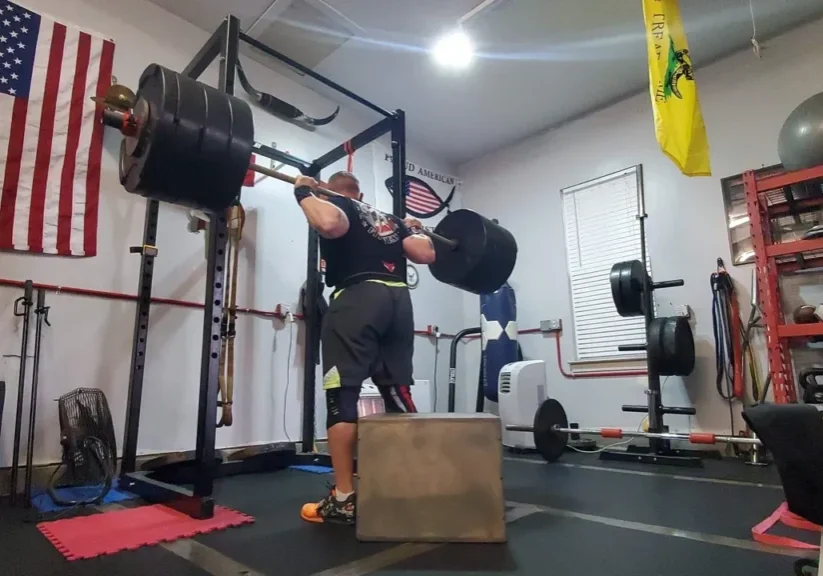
[{"x": 812, "y": 391}]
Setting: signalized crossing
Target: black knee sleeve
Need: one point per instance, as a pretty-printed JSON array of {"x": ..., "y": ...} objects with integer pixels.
[{"x": 341, "y": 405}]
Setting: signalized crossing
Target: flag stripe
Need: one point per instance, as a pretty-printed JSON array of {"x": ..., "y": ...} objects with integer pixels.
[
  {"x": 423, "y": 200},
  {"x": 11, "y": 176},
  {"x": 57, "y": 160},
  {"x": 96, "y": 154},
  {"x": 44, "y": 142},
  {"x": 81, "y": 172},
  {"x": 22, "y": 208},
  {"x": 66, "y": 209}
]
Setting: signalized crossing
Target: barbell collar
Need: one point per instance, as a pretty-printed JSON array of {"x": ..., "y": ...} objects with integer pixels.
[{"x": 331, "y": 193}]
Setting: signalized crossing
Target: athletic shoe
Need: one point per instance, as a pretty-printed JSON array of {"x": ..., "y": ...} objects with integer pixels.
[{"x": 330, "y": 510}]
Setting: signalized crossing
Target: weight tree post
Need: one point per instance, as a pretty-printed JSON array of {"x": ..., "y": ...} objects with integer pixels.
[{"x": 653, "y": 392}]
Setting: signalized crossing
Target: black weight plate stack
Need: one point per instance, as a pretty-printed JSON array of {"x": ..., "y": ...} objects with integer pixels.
[
  {"x": 194, "y": 149},
  {"x": 671, "y": 346},
  {"x": 485, "y": 256},
  {"x": 626, "y": 280},
  {"x": 550, "y": 444}
]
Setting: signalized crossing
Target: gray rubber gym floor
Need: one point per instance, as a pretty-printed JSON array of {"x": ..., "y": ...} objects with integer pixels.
[{"x": 577, "y": 515}]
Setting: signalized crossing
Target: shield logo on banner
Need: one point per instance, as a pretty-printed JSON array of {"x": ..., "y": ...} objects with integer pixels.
[{"x": 421, "y": 200}]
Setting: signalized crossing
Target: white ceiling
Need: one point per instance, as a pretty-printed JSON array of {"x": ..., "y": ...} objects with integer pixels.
[{"x": 542, "y": 61}]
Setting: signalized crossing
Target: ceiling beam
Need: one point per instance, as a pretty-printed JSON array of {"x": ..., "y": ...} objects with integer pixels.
[{"x": 481, "y": 7}]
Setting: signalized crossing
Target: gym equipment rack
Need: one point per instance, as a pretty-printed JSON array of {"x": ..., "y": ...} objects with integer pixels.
[
  {"x": 773, "y": 259},
  {"x": 202, "y": 466}
]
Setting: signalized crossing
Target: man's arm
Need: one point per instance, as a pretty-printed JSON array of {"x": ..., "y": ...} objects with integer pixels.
[
  {"x": 329, "y": 220},
  {"x": 418, "y": 247}
]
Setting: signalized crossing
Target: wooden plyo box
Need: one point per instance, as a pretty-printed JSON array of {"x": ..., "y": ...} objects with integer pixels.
[{"x": 430, "y": 478}]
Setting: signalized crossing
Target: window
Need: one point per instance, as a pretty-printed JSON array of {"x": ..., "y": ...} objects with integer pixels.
[{"x": 602, "y": 229}]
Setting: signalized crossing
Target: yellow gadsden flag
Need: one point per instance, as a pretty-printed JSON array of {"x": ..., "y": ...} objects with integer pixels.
[{"x": 677, "y": 118}]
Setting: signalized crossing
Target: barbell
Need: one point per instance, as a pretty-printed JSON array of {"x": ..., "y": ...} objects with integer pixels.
[
  {"x": 190, "y": 144},
  {"x": 551, "y": 432}
]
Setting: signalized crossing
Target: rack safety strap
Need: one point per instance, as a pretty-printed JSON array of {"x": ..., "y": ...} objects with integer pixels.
[{"x": 236, "y": 217}]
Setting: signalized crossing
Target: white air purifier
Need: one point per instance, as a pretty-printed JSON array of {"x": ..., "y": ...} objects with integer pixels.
[{"x": 521, "y": 389}]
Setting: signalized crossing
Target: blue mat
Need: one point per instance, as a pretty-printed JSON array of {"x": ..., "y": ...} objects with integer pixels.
[
  {"x": 313, "y": 469},
  {"x": 44, "y": 503}
]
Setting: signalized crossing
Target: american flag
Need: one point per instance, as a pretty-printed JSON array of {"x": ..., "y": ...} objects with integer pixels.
[
  {"x": 421, "y": 199},
  {"x": 51, "y": 145}
]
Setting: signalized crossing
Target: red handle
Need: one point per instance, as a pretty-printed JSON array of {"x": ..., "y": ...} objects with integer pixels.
[{"x": 611, "y": 433}]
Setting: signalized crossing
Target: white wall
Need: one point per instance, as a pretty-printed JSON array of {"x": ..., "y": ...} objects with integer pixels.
[
  {"x": 745, "y": 102},
  {"x": 89, "y": 343}
]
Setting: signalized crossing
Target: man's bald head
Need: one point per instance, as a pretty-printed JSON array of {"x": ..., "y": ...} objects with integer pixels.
[{"x": 345, "y": 183}]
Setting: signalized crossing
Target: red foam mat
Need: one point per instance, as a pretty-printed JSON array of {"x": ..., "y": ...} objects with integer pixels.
[{"x": 131, "y": 528}]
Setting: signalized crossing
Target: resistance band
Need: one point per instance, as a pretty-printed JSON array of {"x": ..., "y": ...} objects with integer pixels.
[
  {"x": 787, "y": 518},
  {"x": 236, "y": 220},
  {"x": 727, "y": 333},
  {"x": 349, "y": 149}
]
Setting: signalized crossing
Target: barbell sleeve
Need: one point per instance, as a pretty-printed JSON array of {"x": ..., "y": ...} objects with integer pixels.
[
  {"x": 631, "y": 348},
  {"x": 667, "y": 284},
  {"x": 516, "y": 428},
  {"x": 326, "y": 192}
]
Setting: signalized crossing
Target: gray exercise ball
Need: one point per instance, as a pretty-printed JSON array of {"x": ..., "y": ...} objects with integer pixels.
[{"x": 800, "y": 143}]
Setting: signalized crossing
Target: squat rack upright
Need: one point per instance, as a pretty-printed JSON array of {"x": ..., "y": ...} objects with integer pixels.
[{"x": 164, "y": 484}]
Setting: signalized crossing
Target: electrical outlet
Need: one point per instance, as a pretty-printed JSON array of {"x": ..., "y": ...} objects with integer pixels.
[
  {"x": 551, "y": 325},
  {"x": 683, "y": 310}
]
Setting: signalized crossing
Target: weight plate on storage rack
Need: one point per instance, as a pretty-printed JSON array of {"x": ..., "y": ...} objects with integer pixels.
[
  {"x": 627, "y": 280},
  {"x": 549, "y": 443},
  {"x": 671, "y": 346}
]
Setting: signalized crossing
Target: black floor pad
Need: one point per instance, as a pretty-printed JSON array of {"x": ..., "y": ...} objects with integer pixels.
[
  {"x": 542, "y": 544},
  {"x": 703, "y": 507},
  {"x": 280, "y": 542},
  {"x": 727, "y": 469}
]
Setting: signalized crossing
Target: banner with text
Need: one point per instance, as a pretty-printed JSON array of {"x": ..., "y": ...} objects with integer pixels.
[{"x": 677, "y": 117}]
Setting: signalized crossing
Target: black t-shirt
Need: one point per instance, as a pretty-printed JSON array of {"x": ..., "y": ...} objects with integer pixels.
[{"x": 372, "y": 249}]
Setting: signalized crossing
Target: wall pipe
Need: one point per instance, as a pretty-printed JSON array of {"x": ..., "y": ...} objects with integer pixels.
[{"x": 109, "y": 295}]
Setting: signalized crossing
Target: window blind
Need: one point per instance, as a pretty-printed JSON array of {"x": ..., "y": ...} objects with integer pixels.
[{"x": 602, "y": 228}]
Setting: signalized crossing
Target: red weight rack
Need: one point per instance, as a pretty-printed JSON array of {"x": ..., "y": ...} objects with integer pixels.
[{"x": 773, "y": 259}]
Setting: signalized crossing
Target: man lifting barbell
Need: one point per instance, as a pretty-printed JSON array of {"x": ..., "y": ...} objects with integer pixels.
[{"x": 368, "y": 331}]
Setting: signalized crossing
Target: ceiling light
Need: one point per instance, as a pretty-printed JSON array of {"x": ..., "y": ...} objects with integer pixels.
[{"x": 454, "y": 50}]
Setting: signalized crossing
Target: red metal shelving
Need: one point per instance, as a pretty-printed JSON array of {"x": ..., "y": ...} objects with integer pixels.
[{"x": 768, "y": 269}]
